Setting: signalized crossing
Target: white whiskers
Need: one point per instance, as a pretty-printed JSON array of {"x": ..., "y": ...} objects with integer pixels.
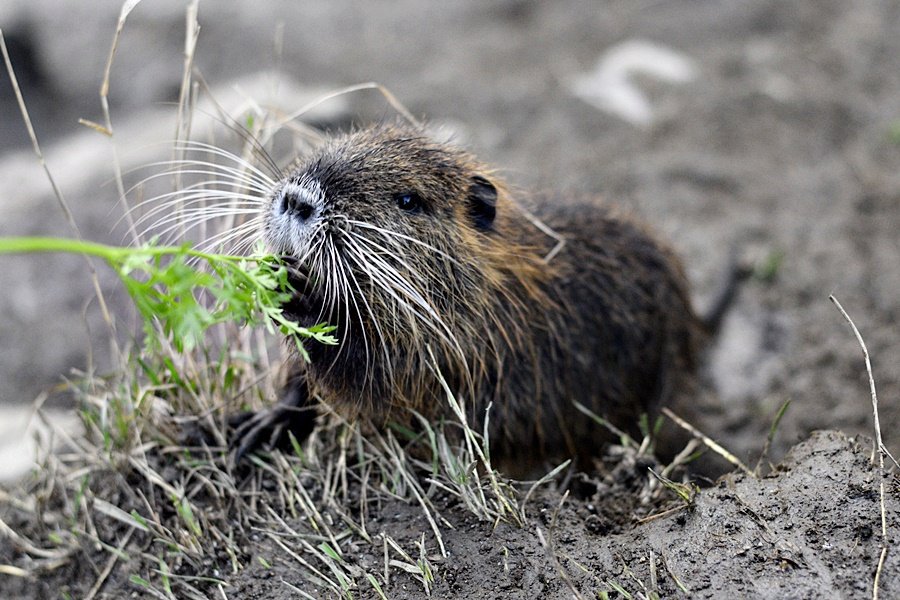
[{"x": 222, "y": 211}]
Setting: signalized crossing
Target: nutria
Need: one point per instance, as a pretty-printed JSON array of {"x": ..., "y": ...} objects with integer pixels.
[{"x": 427, "y": 263}]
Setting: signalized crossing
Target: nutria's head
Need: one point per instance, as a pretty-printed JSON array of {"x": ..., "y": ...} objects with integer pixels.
[{"x": 403, "y": 243}]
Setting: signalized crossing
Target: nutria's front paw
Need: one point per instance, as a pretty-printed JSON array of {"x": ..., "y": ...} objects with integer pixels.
[{"x": 270, "y": 429}]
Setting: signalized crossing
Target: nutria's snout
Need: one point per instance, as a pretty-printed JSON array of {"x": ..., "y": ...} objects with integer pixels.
[{"x": 296, "y": 209}]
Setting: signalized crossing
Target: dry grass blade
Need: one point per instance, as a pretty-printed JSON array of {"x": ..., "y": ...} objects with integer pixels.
[
  {"x": 391, "y": 99},
  {"x": 127, "y": 7},
  {"x": 878, "y": 451},
  {"x": 710, "y": 443},
  {"x": 625, "y": 439},
  {"x": 413, "y": 485},
  {"x": 70, "y": 218},
  {"x": 104, "y": 574},
  {"x": 7, "y": 532},
  {"x": 682, "y": 458},
  {"x": 546, "y": 478},
  {"x": 505, "y": 506},
  {"x": 13, "y": 571},
  {"x": 183, "y": 118},
  {"x": 550, "y": 547},
  {"x": 34, "y": 141}
]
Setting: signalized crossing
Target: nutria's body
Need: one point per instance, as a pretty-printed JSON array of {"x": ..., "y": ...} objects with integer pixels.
[{"x": 425, "y": 263}]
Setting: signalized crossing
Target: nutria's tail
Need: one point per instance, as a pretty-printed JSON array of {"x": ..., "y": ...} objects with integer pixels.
[{"x": 735, "y": 273}]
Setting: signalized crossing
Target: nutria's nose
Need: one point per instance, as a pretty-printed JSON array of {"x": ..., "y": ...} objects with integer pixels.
[
  {"x": 297, "y": 205},
  {"x": 303, "y": 210}
]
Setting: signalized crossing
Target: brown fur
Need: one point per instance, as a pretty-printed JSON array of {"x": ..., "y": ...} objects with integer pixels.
[{"x": 607, "y": 322}]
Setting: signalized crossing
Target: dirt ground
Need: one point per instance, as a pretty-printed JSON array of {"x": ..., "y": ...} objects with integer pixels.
[
  {"x": 806, "y": 531},
  {"x": 786, "y": 141}
]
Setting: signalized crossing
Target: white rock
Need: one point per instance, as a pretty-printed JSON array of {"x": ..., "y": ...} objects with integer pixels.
[
  {"x": 23, "y": 434},
  {"x": 610, "y": 86}
]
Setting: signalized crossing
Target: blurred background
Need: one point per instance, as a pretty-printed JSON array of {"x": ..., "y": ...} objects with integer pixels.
[{"x": 771, "y": 124}]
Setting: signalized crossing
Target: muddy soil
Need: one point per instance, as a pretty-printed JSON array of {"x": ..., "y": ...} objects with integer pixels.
[{"x": 808, "y": 530}]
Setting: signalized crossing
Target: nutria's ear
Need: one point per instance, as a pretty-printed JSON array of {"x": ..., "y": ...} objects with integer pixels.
[{"x": 482, "y": 203}]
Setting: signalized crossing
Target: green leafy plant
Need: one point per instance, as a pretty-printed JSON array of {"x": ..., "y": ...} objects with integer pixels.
[{"x": 181, "y": 292}]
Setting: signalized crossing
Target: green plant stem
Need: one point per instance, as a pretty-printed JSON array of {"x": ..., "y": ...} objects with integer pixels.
[
  {"x": 168, "y": 292},
  {"x": 112, "y": 254}
]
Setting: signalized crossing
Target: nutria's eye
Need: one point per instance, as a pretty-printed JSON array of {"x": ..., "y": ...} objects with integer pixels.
[{"x": 409, "y": 201}]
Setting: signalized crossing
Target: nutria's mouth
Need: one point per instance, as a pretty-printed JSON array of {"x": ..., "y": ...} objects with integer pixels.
[
  {"x": 307, "y": 304},
  {"x": 306, "y": 309}
]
